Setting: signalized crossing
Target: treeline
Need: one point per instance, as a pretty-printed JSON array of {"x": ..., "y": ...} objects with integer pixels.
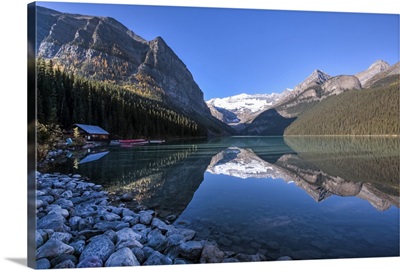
[
  {"x": 357, "y": 112},
  {"x": 64, "y": 99},
  {"x": 358, "y": 159}
]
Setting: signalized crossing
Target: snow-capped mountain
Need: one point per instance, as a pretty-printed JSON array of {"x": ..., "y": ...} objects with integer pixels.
[
  {"x": 242, "y": 163},
  {"x": 237, "y": 109}
]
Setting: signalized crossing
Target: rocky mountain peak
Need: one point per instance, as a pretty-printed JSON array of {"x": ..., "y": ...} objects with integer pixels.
[
  {"x": 317, "y": 77},
  {"x": 380, "y": 65},
  {"x": 320, "y": 76},
  {"x": 103, "y": 49},
  {"x": 375, "y": 68}
]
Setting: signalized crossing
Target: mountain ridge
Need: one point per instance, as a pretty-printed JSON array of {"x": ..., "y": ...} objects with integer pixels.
[
  {"x": 309, "y": 93},
  {"x": 102, "y": 49}
]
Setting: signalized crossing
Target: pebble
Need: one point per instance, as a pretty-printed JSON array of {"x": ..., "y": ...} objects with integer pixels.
[
  {"x": 90, "y": 262},
  {"x": 191, "y": 250},
  {"x": 211, "y": 254},
  {"x": 100, "y": 246},
  {"x": 52, "y": 249},
  {"x": 127, "y": 197},
  {"x": 78, "y": 228},
  {"x": 122, "y": 257},
  {"x": 127, "y": 238},
  {"x": 43, "y": 264}
]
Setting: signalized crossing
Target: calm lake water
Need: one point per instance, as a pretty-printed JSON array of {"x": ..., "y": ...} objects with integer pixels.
[{"x": 304, "y": 197}]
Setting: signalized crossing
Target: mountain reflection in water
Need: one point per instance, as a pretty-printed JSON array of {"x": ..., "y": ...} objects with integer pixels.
[{"x": 216, "y": 187}]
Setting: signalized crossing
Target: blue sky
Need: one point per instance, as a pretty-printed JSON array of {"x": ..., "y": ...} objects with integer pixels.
[{"x": 233, "y": 51}]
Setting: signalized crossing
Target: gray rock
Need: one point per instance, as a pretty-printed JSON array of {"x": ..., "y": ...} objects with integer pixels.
[
  {"x": 139, "y": 254},
  {"x": 52, "y": 207},
  {"x": 122, "y": 257},
  {"x": 65, "y": 264},
  {"x": 161, "y": 225},
  {"x": 90, "y": 233},
  {"x": 236, "y": 239},
  {"x": 40, "y": 193},
  {"x": 145, "y": 217},
  {"x": 97, "y": 187},
  {"x": 85, "y": 224},
  {"x": 230, "y": 260},
  {"x": 45, "y": 233},
  {"x": 116, "y": 210},
  {"x": 64, "y": 257},
  {"x": 78, "y": 246},
  {"x": 43, "y": 264},
  {"x": 56, "y": 192},
  {"x": 71, "y": 186},
  {"x": 90, "y": 262},
  {"x": 143, "y": 235},
  {"x": 63, "y": 237},
  {"x": 110, "y": 217},
  {"x": 188, "y": 234},
  {"x": 225, "y": 241},
  {"x": 73, "y": 223},
  {"x": 170, "y": 218},
  {"x": 211, "y": 254},
  {"x": 39, "y": 239},
  {"x": 127, "y": 197},
  {"x": 47, "y": 198},
  {"x": 250, "y": 258},
  {"x": 179, "y": 261},
  {"x": 132, "y": 220},
  {"x": 127, "y": 238},
  {"x": 39, "y": 204},
  {"x": 284, "y": 258},
  {"x": 76, "y": 176},
  {"x": 85, "y": 210},
  {"x": 64, "y": 203},
  {"x": 173, "y": 242},
  {"x": 229, "y": 253},
  {"x": 111, "y": 225},
  {"x": 100, "y": 246},
  {"x": 157, "y": 259},
  {"x": 156, "y": 240},
  {"x": 67, "y": 194},
  {"x": 52, "y": 249},
  {"x": 191, "y": 250},
  {"x": 62, "y": 212},
  {"x": 139, "y": 227},
  {"x": 147, "y": 251},
  {"x": 54, "y": 222},
  {"x": 112, "y": 235}
]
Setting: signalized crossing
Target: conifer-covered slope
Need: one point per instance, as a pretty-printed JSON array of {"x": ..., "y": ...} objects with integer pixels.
[
  {"x": 103, "y": 50},
  {"x": 373, "y": 111},
  {"x": 340, "y": 105},
  {"x": 64, "y": 99}
]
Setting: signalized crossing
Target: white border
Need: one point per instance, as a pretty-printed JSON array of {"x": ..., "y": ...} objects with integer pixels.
[{"x": 13, "y": 236}]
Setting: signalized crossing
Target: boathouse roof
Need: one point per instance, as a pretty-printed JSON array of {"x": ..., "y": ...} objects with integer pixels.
[{"x": 91, "y": 129}]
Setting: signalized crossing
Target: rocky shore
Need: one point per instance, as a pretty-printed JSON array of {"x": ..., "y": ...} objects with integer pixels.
[{"x": 77, "y": 227}]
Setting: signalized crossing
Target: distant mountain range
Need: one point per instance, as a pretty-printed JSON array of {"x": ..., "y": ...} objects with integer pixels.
[
  {"x": 320, "y": 177},
  {"x": 101, "y": 49},
  {"x": 272, "y": 114},
  {"x": 240, "y": 108}
]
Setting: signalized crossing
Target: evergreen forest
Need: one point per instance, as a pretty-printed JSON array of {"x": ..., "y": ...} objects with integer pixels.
[
  {"x": 64, "y": 99},
  {"x": 372, "y": 111}
]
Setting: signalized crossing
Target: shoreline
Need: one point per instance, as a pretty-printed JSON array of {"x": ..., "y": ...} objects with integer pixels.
[{"x": 77, "y": 226}]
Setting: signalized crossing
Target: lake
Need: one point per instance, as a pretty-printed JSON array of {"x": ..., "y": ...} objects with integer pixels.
[{"x": 303, "y": 197}]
